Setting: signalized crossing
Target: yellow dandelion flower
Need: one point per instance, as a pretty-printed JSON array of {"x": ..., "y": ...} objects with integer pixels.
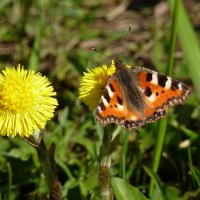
[
  {"x": 93, "y": 83},
  {"x": 26, "y": 102}
]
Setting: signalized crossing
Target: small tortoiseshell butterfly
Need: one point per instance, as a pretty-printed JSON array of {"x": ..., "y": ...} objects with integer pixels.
[{"x": 135, "y": 96}]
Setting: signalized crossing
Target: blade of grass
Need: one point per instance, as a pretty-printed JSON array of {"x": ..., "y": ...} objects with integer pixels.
[
  {"x": 35, "y": 53},
  {"x": 157, "y": 183},
  {"x": 189, "y": 133},
  {"x": 194, "y": 171},
  {"x": 158, "y": 151},
  {"x": 163, "y": 122},
  {"x": 190, "y": 45},
  {"x": 65, "y": 169},
  {"x": 122, "y": 167},
  {"x": 123, "y": 157},
  {"x": 9, "y": 181}
]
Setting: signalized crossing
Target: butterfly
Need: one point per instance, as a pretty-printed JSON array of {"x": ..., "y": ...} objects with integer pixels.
[{"x": 135, "y": 96}]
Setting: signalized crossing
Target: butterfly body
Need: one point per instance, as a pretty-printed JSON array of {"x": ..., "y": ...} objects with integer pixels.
[{"x": 135, "y": 96}]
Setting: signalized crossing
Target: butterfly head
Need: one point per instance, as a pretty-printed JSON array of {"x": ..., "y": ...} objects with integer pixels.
[{"x": 119, "y": 65}]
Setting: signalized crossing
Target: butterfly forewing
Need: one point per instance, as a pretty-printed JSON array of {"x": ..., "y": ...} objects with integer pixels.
[
  {"x": 113, "y": 108},
  {"x": 161, "y": 91}
]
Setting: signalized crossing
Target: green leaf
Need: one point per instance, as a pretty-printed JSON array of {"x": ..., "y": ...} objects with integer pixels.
[
  {"x": 190, "y": 133},
  {"x": 90, "y": 182},
  {"x": 158, "y": 192},
  {"x": 124, "y": 190},
  {"x": 172, "y": 193},
  {"x": 88, "y": 144},
  {"x": 23, "y": 152},
  {"x": 195, "y": 173},
  {"x": 191, "y": 195}
]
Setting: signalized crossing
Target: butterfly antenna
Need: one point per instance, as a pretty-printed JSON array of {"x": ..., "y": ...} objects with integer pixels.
[
  {"x": 127, "y": 37},
  {"x": 94, "y": 49}
]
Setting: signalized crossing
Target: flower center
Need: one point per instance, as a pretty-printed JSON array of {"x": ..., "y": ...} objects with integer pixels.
[{"x": 16, "y": 95}]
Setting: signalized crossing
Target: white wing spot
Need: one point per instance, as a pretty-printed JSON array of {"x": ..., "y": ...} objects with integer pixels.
[
  {"x": 168, "y": 83},
  {"x": 180, "y": 86},
  {"x": 105, "y": 101},
  {"x": 134, "y": 118},
  {"x": 120, "y": 107},
  {"x": 99, "y": 109},
  {"x": 152, "y": 98},
  {"x": 110, "y": 93},
  {"x": 155, "y": 78}
]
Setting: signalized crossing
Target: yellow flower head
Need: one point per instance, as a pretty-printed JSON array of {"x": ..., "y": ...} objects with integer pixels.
[
  {"x": 93, "y": 83},
  {"x": 26, "y": 102}
]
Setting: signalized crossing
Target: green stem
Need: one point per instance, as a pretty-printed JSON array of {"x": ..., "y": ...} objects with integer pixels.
[
  {"x": 46, "y": 158},
  {"x": 123, "y": 157},
  {"x": 9, "y": 180},
  {"x": 172, "y": 42},
  {"x": 158, "y": 151},
  {"x": 35, "y": 53},
  {"x": 106, "y": 192},
  {"x": 163, "y": 122},
  {"x": 46, "y": 164}
]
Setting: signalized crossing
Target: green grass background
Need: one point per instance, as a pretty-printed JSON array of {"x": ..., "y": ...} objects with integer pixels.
[{"x": 56, "y": 38}]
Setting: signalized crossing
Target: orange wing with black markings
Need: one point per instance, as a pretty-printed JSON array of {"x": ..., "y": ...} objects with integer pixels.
[
  {"x": 161, "y": 91},
  {"x": 113, "y": 108},
  {"x": 135, "y": 96}
]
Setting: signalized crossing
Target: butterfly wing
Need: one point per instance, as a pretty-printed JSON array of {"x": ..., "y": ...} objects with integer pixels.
[
  {"x": 160, "y": 92},
  {"x": 113, "y": 107},
  {"x": 156, "y": 93}
]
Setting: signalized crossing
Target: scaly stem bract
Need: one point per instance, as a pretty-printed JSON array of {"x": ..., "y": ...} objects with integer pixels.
[{"x": 106, "y": 192}]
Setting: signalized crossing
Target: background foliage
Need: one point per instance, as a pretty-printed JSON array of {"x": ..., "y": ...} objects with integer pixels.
[{"x": 56, "y": 38}]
